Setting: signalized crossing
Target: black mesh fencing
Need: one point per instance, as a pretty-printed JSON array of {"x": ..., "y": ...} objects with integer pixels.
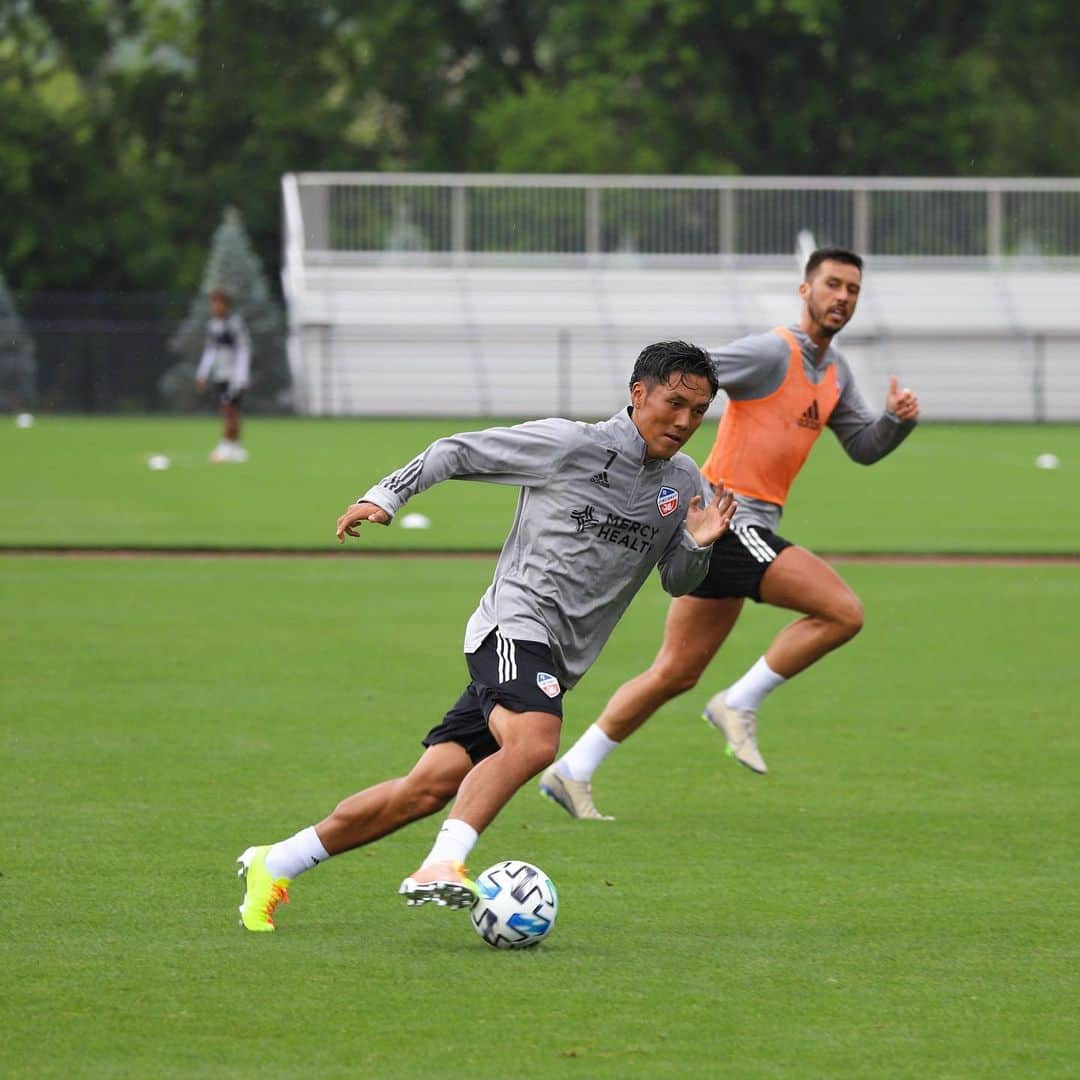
[{"x": 109, "y": 353}]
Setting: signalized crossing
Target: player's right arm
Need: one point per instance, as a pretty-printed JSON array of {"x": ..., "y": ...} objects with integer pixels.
[
  {"x": 206, "y": 361},
  {"x": 751, "y": 367},
  {"x": 526, "y": 455}
]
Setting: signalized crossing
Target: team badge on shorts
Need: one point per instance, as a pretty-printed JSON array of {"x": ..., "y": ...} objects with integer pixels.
[
  {"x": 667, "y": 502},
  {"x": 548, "y": 684}
]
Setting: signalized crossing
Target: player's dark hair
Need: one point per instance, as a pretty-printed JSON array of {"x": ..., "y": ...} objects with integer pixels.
[
  {"x": 657, "y": 363},
  {"x": 835, "y": 254}
]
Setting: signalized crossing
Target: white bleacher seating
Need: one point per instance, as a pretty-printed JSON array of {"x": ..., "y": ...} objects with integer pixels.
[{"x": 485, "y": 341}]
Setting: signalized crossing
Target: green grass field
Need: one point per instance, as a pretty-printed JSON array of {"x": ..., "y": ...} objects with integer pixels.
[
  {"x": 85, "y": 482},
  {"x": 896, "y": 899}
]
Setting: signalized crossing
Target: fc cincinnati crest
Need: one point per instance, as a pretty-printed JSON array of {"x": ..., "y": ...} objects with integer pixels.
[
  {"x": 667, "y": 502},
  {"x": 548, "y": 684}
]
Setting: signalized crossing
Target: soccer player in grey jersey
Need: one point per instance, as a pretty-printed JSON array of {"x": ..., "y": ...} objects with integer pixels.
[
  {"x": 600, "y": 506},
  {"x": 783, "y": 387}
]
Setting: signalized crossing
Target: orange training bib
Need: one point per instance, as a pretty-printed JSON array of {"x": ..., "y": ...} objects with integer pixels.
[{"x": 762, "y": 444}]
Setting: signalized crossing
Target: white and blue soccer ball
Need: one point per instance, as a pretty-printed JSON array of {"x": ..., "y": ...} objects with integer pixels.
[{"x": 517, "y": 905}]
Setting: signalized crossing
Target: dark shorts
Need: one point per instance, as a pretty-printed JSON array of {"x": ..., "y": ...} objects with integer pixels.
[
  {"x": 739, "y": 561},
  {"x": 227, "y": 396},
  {"x": 513, "y": 674}
]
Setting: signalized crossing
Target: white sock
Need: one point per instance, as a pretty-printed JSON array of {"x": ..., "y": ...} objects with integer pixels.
[
  {"x": 453, "y": 844},
  {"x": 752, "y": 689},
  {"x": 586, "y": 755},
  {"x": 290, "y": 858}
]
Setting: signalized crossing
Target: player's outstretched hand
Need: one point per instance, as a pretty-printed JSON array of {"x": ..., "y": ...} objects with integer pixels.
[
  {"x": 349, "y": 522},
  {"x": 708, "y": 523},
  {"x": 902, "y": 403}
]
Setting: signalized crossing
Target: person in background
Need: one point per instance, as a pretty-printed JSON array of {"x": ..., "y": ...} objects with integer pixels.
[{"x": 226, "y": 363}]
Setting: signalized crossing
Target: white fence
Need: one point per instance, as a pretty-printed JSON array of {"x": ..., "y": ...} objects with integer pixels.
[
  {"x": 465, "y": 327},
  {"x": 439, "y": 219}
]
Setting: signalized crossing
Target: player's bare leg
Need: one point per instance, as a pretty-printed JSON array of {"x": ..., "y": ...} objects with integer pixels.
[
  {"x": 384, "y": 808},
  {"x": 800, "y": 581},
  {"x": 268, "y": 871},
  {"x": 230, "y": 449},
  {"x": 527, "y": 742},
  {"x": 230, "y": 415},
  {"x": 694, "y": 631}
]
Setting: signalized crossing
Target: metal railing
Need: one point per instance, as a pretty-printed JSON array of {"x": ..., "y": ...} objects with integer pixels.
[{"x": 447, "y": 219}]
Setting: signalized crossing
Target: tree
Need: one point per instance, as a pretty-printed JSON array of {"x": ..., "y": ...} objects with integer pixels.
[
  {"x": 125, "y": 125},
  {"x": 17, "y": 367},
  {"x": 234, "y": 267}
]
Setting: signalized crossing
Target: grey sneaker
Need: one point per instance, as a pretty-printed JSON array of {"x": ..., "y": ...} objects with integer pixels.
[
  {"x": 739, "y": 727},
  {"x": 574, "y": 796}
]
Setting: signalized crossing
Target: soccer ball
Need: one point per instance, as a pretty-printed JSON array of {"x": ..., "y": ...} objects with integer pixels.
[{"x": 517, "y": 905}]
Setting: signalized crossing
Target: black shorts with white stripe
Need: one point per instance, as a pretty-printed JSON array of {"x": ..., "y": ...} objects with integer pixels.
[
  {"x": 518, "y": 675},
  {"x": 739, "y": 561}
]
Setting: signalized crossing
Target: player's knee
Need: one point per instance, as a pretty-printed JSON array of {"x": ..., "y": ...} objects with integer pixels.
[
  {"x": 849, "y": 617},
  {"x": 418, "y": 796},
  {"x": 544, "y": 750},
  {"x": 535, "y": 753},
  {"x": 420, "y": 800},
  {"x": 673, "y": 679},
  {"x": 428, "y": 802}
]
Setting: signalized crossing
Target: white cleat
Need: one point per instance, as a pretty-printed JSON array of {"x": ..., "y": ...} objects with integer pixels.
[
  {"x": 574, "y": 796},
  {"x": 739, "y": 727},
  {"x": 446, "y": 884}
]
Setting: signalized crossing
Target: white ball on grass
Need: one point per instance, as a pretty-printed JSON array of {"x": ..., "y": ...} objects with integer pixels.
[
  {"x": 157, "y": 462},
  {"x": 1047, "y": 461},
  {"x": 517, "y": 905},
  {"x": 415, "y": 521},
  {"x": 24, "y": 420}
]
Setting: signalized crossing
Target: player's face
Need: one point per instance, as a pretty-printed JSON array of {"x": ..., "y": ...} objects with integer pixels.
[
  {"x": 667, "y": 414},
  {"x": 219, "y": 307},
  {"x": 830, "y": 297}
]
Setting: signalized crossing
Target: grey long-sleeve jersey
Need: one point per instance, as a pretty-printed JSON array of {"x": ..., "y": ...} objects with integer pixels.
[
  {"x": 754, "y": 367},
  {"x": 593, "y": 519}
]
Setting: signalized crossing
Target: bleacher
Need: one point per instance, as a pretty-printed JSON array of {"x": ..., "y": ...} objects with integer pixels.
[{"x": 385, "y": 331}]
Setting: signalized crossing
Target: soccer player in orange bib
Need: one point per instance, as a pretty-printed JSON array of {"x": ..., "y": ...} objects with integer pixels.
[{"x": 784, "y": 387}]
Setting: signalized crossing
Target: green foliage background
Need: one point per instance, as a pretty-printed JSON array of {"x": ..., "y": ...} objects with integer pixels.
[{"x": 127, "y": 125}]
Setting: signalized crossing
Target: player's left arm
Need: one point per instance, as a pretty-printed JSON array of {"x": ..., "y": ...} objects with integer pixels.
[
  {"x": 865, "y": 436},
  {"x": 902, "y": 403},
  {"x": 242, "y": 375},
  {"x": 685, "y": 561},
  {"x": 707, "y": 522}
]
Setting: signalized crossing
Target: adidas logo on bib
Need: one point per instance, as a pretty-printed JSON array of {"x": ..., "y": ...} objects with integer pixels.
[{"x": 811, "y": 418}]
